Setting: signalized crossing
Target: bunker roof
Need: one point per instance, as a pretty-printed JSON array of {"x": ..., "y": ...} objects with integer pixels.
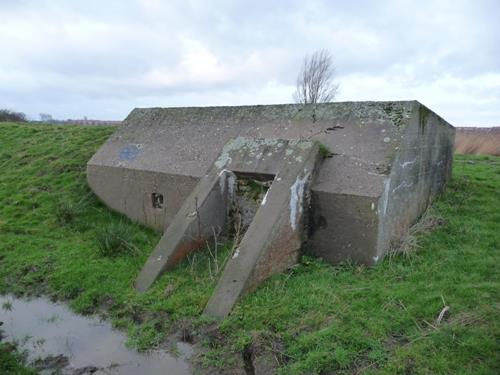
[{"x": 364, "y": 136}]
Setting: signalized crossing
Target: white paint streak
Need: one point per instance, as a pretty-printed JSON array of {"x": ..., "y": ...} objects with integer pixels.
[
  {"x": 227, "y": 177},
  {"x": 265, "y": 198},
  {"x": 222, "y": 181},
  {"x": 236, "y": 253},
  {"x": 223, "y": 171},
  {"x": 402, "y": 185},
  {"x": 385, "y": 197},
  {"x": 296, "y": 199},
  {"x": 231, "y": 184},
  {"x": 407, "y": 163}
]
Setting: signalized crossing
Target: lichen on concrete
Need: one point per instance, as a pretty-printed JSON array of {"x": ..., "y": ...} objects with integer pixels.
[{"x": 244, "y": 145}]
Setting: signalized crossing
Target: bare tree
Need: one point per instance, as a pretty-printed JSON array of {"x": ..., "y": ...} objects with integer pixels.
[
  {"x": 315, "y": 82},
  {"x": 47, "y": 118}
]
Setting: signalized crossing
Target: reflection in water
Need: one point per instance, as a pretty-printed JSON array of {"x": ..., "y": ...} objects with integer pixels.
[{"x": 44, "y": 328}]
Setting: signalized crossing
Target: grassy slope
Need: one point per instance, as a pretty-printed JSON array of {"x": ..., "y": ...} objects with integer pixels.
[{"x": 329, "y": 319}]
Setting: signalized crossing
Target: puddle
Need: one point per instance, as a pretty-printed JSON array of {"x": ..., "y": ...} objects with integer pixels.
[{"x": 43, "y": 329}]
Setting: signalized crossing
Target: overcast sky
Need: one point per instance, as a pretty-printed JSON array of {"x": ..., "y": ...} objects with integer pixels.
[{"x": 101, "y": 59}]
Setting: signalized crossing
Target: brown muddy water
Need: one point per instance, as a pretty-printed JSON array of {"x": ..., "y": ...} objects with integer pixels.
[{"x": 83, "y": 344}]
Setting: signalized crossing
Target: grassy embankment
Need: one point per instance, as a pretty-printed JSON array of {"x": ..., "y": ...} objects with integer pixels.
[{"x": 315, "y": 319}]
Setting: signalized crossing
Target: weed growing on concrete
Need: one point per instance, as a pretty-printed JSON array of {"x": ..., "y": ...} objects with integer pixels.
[{"x": 324, "y": 151}]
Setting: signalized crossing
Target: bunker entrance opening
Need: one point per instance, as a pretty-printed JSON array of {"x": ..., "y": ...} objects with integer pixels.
[{"x": 249, "y": 193}]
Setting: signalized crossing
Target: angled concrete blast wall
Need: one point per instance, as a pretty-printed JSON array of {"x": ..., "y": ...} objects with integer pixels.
[
  {"x": 274, "y": 237},
  {"x": 389, "y": 159}
]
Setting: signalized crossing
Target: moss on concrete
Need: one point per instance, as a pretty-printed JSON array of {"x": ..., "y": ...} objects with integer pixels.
[
  {"x": 423, "y": 115},
  {"x": 396, "y": 111}
]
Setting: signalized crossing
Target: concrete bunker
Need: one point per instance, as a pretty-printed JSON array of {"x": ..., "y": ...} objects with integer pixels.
[{"x": 386, "y": 161}]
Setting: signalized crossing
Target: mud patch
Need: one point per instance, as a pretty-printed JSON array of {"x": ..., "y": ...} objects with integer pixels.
[
  {"x": 52, "y": 363},
  {"x": 265, "y": 354}
]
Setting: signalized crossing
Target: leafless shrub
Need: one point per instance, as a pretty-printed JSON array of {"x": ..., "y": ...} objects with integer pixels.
[
  {"x": 46, "y": 118},
  {"x": 315, "y": 82}
]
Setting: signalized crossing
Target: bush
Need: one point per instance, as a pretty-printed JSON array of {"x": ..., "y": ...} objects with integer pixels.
[
  {"x": 114, "y": 239},
  {"x": 6, "y": 116}
]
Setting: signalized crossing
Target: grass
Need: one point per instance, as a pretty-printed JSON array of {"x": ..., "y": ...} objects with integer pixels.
[
  {"x": 11, "y": 362},
  {"x": 317, "y": 318},
  {"x": 114, "y": 239}
]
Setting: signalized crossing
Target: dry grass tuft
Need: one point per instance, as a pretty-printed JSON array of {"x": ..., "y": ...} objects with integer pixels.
[{"x": 409, "y": 242}]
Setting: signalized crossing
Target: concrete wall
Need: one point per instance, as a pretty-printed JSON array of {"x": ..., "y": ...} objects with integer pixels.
[
  {"x": 129, "y": 191},
  {"x": 344, "y": 227},
  {"x": 420, "y": 170}
]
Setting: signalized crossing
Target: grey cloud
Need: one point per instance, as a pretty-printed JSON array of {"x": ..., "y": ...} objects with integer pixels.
[{"x": 110, "y": 56}]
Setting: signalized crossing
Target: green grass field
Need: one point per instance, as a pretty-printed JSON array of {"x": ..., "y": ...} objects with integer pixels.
[{"x": 316, "y": 318}]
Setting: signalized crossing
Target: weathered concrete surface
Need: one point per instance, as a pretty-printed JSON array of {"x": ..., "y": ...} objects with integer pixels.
[
  {"x": 420, "y": 170},
  {"x": 273, "y": 240},
  {"x": 390, "y": 159}
]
